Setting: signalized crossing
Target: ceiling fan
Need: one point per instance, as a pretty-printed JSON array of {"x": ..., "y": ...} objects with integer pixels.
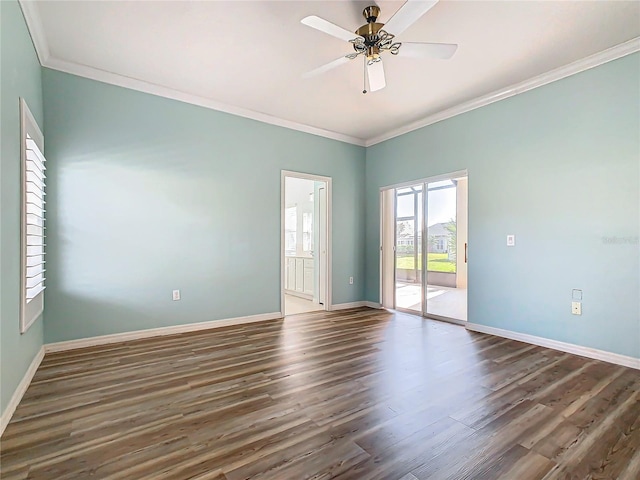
[{"x": 371, "y": 40}]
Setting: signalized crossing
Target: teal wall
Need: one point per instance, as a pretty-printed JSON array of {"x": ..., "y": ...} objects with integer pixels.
[
  {"x": 20, "y": 76},
  {"x": 559, "y": 167},
  {"x": 147, "y": 195}
]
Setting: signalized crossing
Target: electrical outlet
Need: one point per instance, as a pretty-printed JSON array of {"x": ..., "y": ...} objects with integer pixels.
[
  {"x": 176, "y": 295},
  {"x": 350, "y": 280},
  {"x": 576, "y": 308}
]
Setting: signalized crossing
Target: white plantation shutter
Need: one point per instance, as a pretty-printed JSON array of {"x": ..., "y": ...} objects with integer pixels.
[{"x": 33, "y": 219}]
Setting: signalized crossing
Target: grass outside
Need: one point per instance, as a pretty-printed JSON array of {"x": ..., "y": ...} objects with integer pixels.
[{"x": 436, "y": 262}]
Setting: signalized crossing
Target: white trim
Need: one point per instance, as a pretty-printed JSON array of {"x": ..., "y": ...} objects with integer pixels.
[
  {"x": 362, "y": 303},
  {"x": 375, "y": 305},
  {"x": 613, "y": 53},
  {"x": 28, "y": 125},
  {"x": 174, "y": 94},
  {"x": 328, "y": 269},
  {"x": 34, "y": 25},
  {"x": 306, "y": 176},
  {"x": 36, "y": 31},
  {"x": 344, "y": 306},
  {"x": 588, "y": 352},
  {"x": 157, "y": 332},
  {"x": 432, "y": 179},
  {"x": 20, "y": 390}
]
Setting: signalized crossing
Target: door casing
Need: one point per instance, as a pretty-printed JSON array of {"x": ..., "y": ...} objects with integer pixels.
[{"x": 327, "y": 235}]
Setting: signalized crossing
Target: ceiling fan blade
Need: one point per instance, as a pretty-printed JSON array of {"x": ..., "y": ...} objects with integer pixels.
[
  {"x": 408, "y": 13},
  {"x": 442, "y": 51},
  {"x": 326, "y": 67},
  {"x": 328, "y": 28},
  {"x": 375, "y": 72}
]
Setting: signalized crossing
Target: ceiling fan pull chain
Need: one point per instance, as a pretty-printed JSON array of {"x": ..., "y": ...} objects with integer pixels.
[{"x": 364, "y": 76}]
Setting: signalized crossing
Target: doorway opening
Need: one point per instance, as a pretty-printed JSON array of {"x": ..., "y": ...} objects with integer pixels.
[
  {"x": 305, "y": 213},
  {"x": 424, "y": 247}
]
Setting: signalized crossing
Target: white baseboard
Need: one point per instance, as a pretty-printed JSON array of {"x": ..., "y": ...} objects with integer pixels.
[
  {"x": 344, "y": 306},
  {"x": 156, "y": 332},
  {"x": 20, "y": 390},
  {"x": 372, "y": 305},
  {"x": 588, "y": 352}
]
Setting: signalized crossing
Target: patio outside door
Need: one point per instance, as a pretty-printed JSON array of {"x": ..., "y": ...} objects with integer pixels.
[
  {"x": 425, "y": 271},
  {"x": 408, "y": 247},
  {"x": 446, "y": 246}
]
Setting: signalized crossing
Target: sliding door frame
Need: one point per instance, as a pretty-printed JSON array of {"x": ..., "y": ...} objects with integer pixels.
[{"x": 425, "y": 209}]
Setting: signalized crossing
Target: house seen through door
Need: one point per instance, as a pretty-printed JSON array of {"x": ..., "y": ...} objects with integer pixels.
[
  {"x": 305, "y": 245},
  {"x": 424, "y": 247}
]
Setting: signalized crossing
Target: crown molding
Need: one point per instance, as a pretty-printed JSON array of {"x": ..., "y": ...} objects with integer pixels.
[
  {"x": 167, "y": 92},
  {"x": 578, "y": 66},
  {"x": 34, "y": 25}
]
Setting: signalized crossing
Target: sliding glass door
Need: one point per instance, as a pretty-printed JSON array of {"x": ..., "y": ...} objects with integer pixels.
[
  {"x": 429, "y": 224},
  {"x": 408, "y": 247},
  {"x": 446, "y": 273}
]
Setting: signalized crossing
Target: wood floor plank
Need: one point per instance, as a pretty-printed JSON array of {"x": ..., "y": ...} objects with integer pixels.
[{"x": 353, "y": 394}]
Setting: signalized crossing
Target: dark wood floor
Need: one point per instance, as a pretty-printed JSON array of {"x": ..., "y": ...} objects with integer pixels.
[{"x": 355, "y": 394}]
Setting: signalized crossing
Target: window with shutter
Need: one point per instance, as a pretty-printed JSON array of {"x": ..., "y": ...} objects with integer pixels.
[{"x": 33, "y": 219}]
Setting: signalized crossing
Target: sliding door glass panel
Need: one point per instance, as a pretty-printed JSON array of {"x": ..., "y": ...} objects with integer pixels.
[
  {"x": 446, "y": 293},
  {"x": 408, "y": 248}
]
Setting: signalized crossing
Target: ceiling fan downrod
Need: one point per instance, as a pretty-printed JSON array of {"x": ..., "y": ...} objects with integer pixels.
[
  {"x": 370, "y": 31},
  {"x": 372, "y": 38}
]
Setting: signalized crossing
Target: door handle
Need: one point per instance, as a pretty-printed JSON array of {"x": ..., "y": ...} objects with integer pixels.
[{"x": 465, "y": 252}]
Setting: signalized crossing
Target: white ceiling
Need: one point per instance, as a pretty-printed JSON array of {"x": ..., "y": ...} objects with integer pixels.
[{"x": 250, "y": 55}]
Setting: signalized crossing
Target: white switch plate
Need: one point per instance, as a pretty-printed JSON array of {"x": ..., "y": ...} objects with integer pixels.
[
  {"x": 511, "y": 240},
  {"x": 350, "y": 280},
  {"x": 576, "y": 308},
  {"x": 176, "y": 295}
]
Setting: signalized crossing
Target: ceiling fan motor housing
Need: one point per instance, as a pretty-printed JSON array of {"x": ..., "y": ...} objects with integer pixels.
[{"x": 370, "y": 31}]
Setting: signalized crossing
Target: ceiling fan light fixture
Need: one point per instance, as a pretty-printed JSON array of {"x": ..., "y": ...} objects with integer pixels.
[{"x": 373, "y": 54}]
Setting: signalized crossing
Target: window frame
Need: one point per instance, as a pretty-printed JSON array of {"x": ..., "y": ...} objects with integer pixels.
[{"x": 31, "y": 310}]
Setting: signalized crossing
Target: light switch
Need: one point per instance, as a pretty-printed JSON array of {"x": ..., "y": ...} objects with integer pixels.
[{"x": 511, "y": 240}]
